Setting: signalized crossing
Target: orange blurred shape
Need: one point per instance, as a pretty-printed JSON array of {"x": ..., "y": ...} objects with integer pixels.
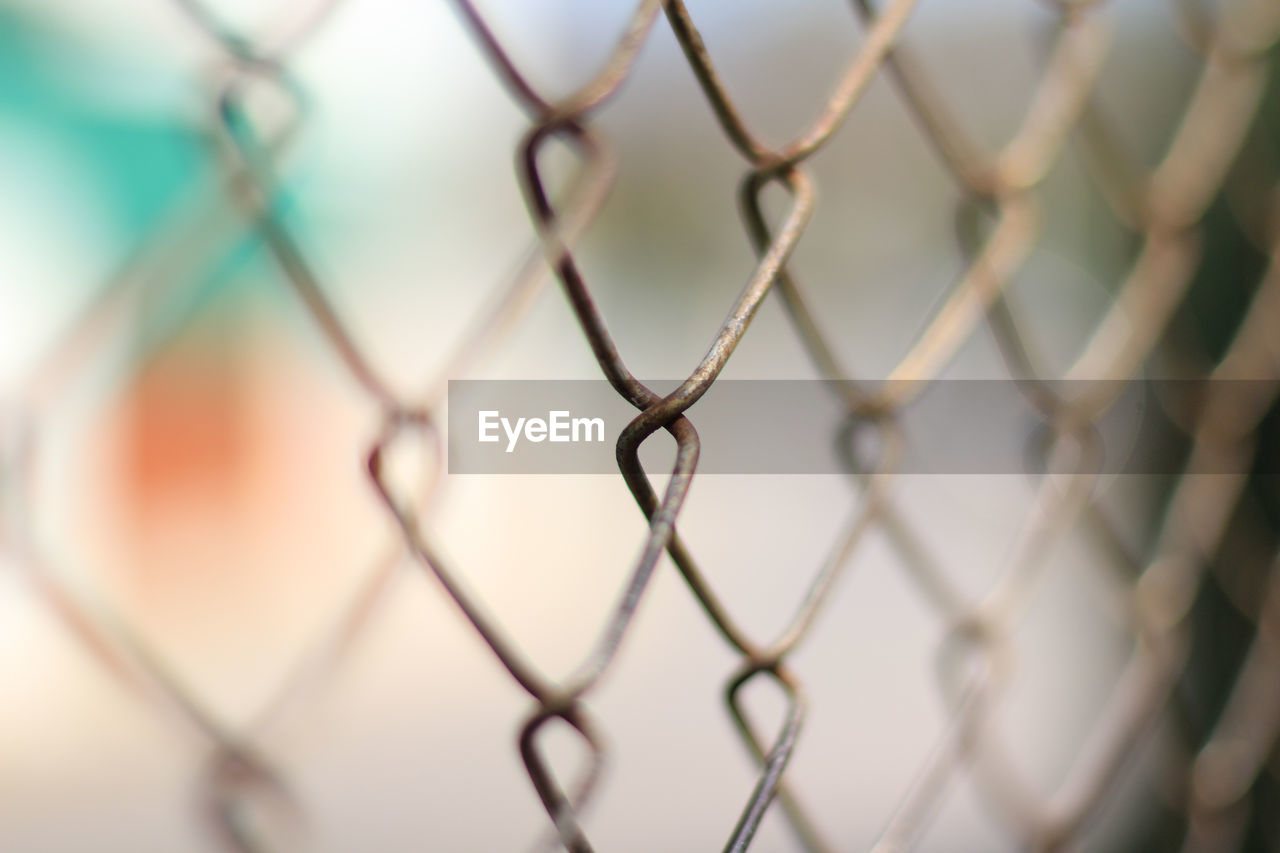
[
  {"x": 186, "y": 436},
  {"x": 180, "y": 453}
]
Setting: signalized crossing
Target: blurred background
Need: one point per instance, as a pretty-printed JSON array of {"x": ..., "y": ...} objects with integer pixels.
[{"x": 190, "y": 465}]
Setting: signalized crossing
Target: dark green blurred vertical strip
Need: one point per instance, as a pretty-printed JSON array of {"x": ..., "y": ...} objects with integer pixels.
[{"x": 1229, "y": 275}]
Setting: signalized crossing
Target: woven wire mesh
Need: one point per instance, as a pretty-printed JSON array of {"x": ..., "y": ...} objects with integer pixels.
[{"x": 1222, "y": 793}]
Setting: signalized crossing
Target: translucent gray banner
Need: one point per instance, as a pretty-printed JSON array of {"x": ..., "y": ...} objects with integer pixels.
[{"x": 805, "y": 427}]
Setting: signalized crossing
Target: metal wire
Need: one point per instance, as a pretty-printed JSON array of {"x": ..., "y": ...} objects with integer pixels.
[{"x": 1164, "y": 206}]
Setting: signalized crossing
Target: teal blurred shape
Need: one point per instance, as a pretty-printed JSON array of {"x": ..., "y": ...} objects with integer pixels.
[{"x": 138, "y": 162}]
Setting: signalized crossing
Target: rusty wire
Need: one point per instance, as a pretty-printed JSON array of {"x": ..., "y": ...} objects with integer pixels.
[{"x": 1162, "y": 205}]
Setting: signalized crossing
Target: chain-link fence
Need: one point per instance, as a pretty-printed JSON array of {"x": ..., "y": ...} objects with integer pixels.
[{"x": 1197, "y": 601}]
